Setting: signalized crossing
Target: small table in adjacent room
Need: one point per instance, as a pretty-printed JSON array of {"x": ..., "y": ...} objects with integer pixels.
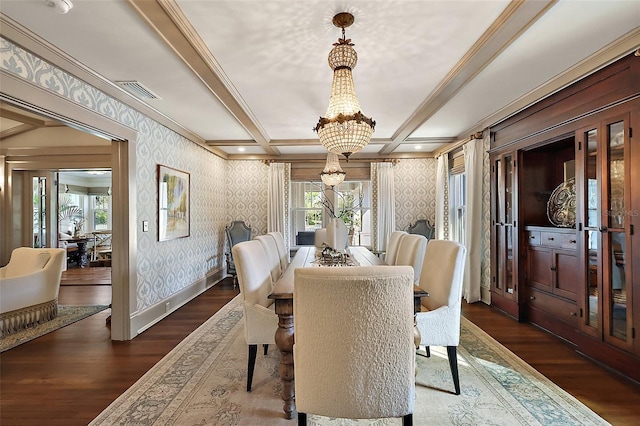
[
  {"x": 80, "y": 254},
  {"x": 283, "y": 296}
]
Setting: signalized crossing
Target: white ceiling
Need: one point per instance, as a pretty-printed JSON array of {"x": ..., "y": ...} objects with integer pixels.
[{"x": 254, "y": 74}]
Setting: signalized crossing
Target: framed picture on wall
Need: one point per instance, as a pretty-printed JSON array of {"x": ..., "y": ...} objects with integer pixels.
[{"x": 173, "y": 203}]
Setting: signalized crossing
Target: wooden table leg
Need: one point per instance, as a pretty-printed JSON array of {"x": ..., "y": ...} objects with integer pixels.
[{"x": 284, "y": 341}]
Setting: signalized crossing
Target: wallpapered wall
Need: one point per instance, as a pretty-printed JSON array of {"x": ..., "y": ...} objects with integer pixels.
[
  {"x": 246, "y": 194},
  {"x": 415, "y": 190},
  {"x": 165, "y": 267}
]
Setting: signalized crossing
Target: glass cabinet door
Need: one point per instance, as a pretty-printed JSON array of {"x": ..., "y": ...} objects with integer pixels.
[
  {"x": 504, "y": 226},
  {"x": 606, "y": 232},
  {"x": 615, "y": 265},
  {"x": 591, "y": 232}
]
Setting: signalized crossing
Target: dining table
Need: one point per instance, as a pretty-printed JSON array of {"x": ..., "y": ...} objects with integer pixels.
[{"x": 282, "y": 294}]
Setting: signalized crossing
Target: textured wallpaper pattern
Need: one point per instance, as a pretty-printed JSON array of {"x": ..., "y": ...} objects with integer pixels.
[
  {"x": 163, "y": 268},
  {"x": 246, "y": 193},
  {"x": 415, "y": 187}
]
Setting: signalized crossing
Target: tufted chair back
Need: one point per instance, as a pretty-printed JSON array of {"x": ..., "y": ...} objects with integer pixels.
[{"x": 354, "y": 353}]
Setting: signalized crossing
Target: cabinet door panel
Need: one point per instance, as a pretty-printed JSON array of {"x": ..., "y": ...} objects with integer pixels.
[
  {"x": 540, "y": 261},
  {"x": 567, "y": 274}
]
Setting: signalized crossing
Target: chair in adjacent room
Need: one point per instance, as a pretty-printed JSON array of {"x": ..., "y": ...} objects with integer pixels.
[
  {"x": 411, "y": 251},
  {"x": 392, "y": 246},
  {"x": 439, "y": 321},
  {"x": 236, "y": 233},
  {"x": 340, "y": 314},
  {"x": 260, "y": 319}
]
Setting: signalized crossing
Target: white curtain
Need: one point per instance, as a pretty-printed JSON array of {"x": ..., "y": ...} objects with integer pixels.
[
  {"x": 276, "y": 208},
  {"x": 473, "y": 164},
  {"x": 386, "y": 204},
  {"x": 442, "y": 197}
]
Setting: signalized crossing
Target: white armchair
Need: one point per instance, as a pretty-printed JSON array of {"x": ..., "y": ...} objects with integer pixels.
[
  {"x": 29, "y": 286},
  {"x": 340, "y": 314},
  {"x": 260, "y": 319},
  {"x": 439, "y": 321},
  {"x": 411, "y": 249},
  {"x": 392, "y": 247}
]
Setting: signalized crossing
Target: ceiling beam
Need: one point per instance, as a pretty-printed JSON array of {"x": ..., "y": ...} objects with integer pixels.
[
  {"x": 167, "y": 19},
  {"x": 512, "y": 22}
]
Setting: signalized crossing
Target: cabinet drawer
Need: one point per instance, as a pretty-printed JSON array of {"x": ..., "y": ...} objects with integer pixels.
[
  {"x": 569, "y": 241},
  {"x": 559, "y": 308},
  {"x": 532, "y": 238},
  {"x": 551, "y": 239}
]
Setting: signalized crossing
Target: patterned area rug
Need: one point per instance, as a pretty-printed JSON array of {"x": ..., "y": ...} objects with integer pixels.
[
  {"x": 202, "y": 382},
  {"x": 66, "y": 315}
]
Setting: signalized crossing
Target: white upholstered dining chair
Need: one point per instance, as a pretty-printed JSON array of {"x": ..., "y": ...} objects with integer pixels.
[
  {"x": 439, "y": 321},
  {"x": 392, "y": 246},
  {"x": 272, "y": 256},
  {"x": 282, "y": 249},
  {"x": 411, "y": 251},
  {"x": 260, "y": 319},
  {"x": 339, "y": 315}
]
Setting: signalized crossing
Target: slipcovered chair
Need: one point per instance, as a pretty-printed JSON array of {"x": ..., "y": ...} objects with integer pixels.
[
  {"x": 29, "y": 286},
  {"x": 282, "y": 249},
  {"x": 272, "y": 256},
  {"x": 340, "y": 314},
  {"x": 236, "y": 233},
  {"x": 260, "y": 319},
  {"x": 422, "y": 227},
  {"x": 392, "y": 247},
  {"x": 439, "y": 321},
  {"x": 320, "y": 237},
  {"x": 411, "y": 251}
]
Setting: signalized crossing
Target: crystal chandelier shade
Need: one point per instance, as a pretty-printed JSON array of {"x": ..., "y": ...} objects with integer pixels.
[
  {"x": 332, "y": 174},
  {"x": 344, "y": 130}
]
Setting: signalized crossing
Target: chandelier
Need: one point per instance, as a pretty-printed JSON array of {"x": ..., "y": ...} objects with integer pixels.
[
  {"x": 344, "y": 130},
  {"x": 332, "y": 174}
]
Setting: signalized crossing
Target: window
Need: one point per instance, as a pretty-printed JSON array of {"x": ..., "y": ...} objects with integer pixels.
[
  {"x": 457, "y": 188},
  {"x": 100, "y": 209},
  {"x": 350, "y": 200},
  {"x": 306, "y": 211}
]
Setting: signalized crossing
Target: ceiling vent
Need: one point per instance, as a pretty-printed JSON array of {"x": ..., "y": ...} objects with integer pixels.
[{"x": 138, "y": 90}]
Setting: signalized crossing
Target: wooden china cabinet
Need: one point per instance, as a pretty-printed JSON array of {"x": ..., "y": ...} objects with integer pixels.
[{"x": 566, "y": 215}]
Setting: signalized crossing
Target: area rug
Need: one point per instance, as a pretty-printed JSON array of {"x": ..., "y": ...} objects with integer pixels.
[
  {"x": 66, "y": 315},
  {"x": 202, "y": 382}
]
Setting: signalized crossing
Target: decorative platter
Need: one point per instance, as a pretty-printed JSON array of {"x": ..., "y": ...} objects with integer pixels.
[{"x": 561, "y": 208}]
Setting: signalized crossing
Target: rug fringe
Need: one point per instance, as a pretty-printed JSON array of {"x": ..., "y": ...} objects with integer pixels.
[{"x": 19, "y": 319}]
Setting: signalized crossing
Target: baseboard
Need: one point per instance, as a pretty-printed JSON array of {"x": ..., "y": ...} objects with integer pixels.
[{"x": 142, "y": 320}]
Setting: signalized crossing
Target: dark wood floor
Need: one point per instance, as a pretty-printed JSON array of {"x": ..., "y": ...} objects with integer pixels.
[{"x": 69, "y": 376}]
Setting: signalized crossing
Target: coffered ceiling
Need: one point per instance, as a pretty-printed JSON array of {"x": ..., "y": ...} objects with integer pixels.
[{"x": 249, "y": 79}]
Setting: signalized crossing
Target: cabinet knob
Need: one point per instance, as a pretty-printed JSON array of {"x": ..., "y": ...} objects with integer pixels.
[
  {"x": 550, "y": 238},
  {"x": 532, "y": 237},
  {"x": 532, "y": 298},
  {"x": 573, "y": 314},
  {"x": 573, "y": 241},
  {"x": 553, "y": 268}
]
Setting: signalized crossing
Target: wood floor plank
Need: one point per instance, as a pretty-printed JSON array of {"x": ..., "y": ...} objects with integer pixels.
[{"x": 69, "y": 376}]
